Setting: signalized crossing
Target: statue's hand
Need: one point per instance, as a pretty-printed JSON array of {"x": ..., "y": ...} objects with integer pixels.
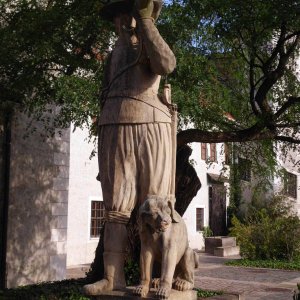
[{"x": 144, "y": 8}]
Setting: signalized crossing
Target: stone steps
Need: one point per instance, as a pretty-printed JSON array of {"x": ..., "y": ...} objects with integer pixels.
[
  {"x": 227, "y": 251},
  {"x": 222, "y": 246}
]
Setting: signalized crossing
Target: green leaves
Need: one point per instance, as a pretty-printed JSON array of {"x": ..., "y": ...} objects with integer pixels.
[
  {"x": 227, "y": 52},
  {"x": 269, "y": 233},
  {"x": 44, "y": 43}
]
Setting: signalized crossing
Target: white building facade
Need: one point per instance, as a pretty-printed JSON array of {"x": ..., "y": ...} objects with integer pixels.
[{"x": 85, "y": 213}]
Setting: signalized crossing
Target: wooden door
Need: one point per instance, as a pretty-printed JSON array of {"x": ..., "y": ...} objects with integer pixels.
[{"x": 217, "y": 209}]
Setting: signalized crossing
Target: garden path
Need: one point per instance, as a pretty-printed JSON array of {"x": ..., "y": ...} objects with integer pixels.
[{"x": 250, "y": 283}]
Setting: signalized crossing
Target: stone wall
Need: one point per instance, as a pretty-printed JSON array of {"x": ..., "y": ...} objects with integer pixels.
[{"x": 38, "y": 207}]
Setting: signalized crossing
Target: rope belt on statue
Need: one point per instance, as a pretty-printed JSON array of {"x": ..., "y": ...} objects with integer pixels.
[{"x": 117, "y": 217}]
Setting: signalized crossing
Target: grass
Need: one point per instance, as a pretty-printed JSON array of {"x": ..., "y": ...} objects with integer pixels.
[
  {"x": 58, "y": 290},
  {"x": 205, "y": 294},
  {"x": 271, "y": 264}
]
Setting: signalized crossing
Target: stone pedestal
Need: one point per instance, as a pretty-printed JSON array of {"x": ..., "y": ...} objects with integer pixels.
[{"x": 127, "y": 295}]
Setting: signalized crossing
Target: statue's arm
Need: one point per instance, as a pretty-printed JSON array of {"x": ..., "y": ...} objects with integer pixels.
[{"x": 161, "y": 57}]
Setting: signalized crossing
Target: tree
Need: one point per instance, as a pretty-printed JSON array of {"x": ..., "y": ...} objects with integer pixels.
[
  {"x": 52, "y": 52},
  {"x": 237, "y": 58},
  {"x": 233, "y": 57},
  {"x": 235, "y": 81}
]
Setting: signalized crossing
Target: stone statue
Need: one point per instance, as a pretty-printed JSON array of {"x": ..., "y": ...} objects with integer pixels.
[
  {"x": 164, "y": 239},
  {"x": 135, "y": 144}
]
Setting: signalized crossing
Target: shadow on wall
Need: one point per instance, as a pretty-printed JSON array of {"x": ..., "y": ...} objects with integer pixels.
[{"x": 37, "y": 215}]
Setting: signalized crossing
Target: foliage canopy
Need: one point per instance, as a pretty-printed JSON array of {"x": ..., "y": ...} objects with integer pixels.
[{"x": 236, "y": 76}]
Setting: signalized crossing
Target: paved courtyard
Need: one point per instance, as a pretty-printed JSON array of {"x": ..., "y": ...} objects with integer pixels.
[{"x": 250, "y": 283}]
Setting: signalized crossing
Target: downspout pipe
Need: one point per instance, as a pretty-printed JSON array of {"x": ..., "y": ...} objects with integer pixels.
[{"x": 6, "y": 182}]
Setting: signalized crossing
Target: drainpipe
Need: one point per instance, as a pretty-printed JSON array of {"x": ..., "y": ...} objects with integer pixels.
[{"x": 5, "y": 193}]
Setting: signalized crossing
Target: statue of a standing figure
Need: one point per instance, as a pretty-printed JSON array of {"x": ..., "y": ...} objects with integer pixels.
[{"x": 135, "y": 143}]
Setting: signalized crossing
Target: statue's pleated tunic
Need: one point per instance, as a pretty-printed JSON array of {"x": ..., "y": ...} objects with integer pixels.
[{"x": 135, "y": 152}]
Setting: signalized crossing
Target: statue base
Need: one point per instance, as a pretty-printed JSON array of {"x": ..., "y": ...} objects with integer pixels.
[{"x": 126, "y": 294}]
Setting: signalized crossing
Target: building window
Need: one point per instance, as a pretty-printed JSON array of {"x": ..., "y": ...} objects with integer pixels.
[
  {"x": 203, "y": 151},
  {"x": 290, "y": 185},
  {"x": 227, "y": 154},
  {"x": 199, "y": 219},
  {"x": 213, "y": 152},
  {"x": 245, "y": 169},
  {"x": 97, "y": 218}
]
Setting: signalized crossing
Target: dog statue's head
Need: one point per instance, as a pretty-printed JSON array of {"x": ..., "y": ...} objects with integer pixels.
[{"x": 157, "y": 213}]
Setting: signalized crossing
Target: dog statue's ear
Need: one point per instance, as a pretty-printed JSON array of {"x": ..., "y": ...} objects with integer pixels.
[
  {"x": 144, "y": 208},
  {"x": 174, "y": 214}
]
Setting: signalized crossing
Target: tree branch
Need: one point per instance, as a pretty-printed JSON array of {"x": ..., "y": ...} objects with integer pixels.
[
  {"x": 252, "y": 87},
  {"x": 288, "y": 139},
  {"x": 289, "y": 36},
  {"x": 291, "y": 101},
  {"x": 277, "y": 49},
  {"x": 199, "y": 136},
  {"x": 287, "y": 125},
  {"x": 273, "y": 76}
]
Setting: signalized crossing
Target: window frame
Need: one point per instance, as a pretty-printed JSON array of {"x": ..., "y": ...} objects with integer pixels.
[
  {"x": 203, "y": 209},
  {"x": 91, "y": 200},
  {"x": 290, "y": 188},
  {"x": 227, "y": 157},
  {"x": 213, "y": 152},
  {"x": 245, "y": 169},
  {"x": 204, "y": 154}
]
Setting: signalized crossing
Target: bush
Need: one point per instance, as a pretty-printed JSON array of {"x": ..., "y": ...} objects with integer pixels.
[
  {"x": 272, "y": 232},
  {"x": 207, "y": 232},
  {"x": 132, "y": 272},
  {"x": 270, "y": 264}
]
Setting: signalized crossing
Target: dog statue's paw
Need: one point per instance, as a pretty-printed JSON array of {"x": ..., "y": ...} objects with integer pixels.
[
  {"x": 182, "y": 285},
  {"x": 163, "y": 292},
  {"x": 141, "y": 290}
]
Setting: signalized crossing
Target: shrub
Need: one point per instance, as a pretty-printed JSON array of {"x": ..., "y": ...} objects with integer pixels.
[
  {"x": 132, "y": 272},
  {"x": 272, "y": 232},
  {"x": 207, "y": 232}
]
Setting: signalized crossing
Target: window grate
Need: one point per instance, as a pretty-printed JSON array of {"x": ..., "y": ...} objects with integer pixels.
[
  {"x": 290, "y": 185},
  {"x": 199, "y": 219},
  {"x": 97, "y": 218}
]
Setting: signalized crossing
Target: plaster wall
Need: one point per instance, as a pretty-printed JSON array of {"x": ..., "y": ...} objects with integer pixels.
[
  {"x": 82, "y": 189},
  {"x": 201, "y": 200},
  {"x": 289, "y": 163},
  {"x": 38, "y": 205}
]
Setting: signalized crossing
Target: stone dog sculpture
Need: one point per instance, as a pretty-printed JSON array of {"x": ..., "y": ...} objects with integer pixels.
[{"x": 166, "y": 242}]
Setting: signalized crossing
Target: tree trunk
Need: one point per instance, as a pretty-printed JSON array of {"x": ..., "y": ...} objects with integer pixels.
[
  {"x": 187, "y": 186},
  {"x": 187, "y": 181}
]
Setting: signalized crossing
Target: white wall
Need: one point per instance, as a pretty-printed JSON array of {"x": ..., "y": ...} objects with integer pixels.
[
  {"x": 288, "y": 163},
  {"x": 201, "y": 200},
  {"x": 83, "y": 187}
]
